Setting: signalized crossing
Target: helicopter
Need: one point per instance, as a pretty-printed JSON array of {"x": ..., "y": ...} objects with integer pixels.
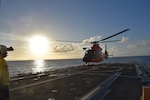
[{"x": 95, "y": 54}]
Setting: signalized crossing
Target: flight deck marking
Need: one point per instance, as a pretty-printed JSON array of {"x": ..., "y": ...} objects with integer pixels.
[
  {"x": 32, "y": 76},
  {"x": 33, "y": 84},
  {"x": 101, "y": 87},
  {"x": 96, "y": 74}
]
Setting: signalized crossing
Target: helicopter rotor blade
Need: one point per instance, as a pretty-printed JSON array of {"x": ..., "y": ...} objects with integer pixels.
[
  {"x": 68, "y": 41},
  {"x": 101, "y": 41},
  {"x": 105, "y": 41},
  {"x": 115, "y": 34},
  {"x": 110, "y": 41}
]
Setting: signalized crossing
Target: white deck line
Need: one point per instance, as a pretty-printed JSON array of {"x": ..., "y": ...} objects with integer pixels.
[
  {"x": 26, "y": 77},
  {"x": 90, "y": 94}
]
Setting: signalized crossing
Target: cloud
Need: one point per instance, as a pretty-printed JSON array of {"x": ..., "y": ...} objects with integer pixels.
[
  {"x": 131, "y": 46},
  {"x": 92, "y": 39},
  {"x": 124, "y": 39},
  {"x": 142, "y": 43},
  {"x": 114, "y": 49},
  {"x": 62, "y": 47}
]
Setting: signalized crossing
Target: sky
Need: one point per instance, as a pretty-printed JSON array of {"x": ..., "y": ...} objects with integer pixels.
[{"x": 33, "y": 27}]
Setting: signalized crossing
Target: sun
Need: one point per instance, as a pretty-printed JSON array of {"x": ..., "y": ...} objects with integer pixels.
[{"x": 39, "y": 44}]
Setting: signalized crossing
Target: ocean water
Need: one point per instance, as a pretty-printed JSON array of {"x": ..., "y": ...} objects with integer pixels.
[{"x": 34, "y": 66}]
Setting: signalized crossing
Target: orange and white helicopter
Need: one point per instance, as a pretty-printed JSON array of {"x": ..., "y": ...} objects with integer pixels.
[{"x": 95, "y": 54}]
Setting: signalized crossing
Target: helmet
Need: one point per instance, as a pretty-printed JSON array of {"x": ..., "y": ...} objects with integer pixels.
[{"x": 4, "y": 49}]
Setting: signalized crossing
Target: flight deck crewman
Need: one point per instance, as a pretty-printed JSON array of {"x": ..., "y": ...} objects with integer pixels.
[{"x": 4, "y": 74}]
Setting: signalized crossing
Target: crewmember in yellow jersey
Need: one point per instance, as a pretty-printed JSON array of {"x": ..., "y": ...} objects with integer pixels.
[{"x": 4, "y": 74}]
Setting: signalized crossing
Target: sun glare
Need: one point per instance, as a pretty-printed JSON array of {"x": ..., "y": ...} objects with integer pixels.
[{"x": 39, "y": 44}]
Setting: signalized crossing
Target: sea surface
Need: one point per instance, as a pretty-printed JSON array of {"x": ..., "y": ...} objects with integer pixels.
[{"x": 35, "y": 66}]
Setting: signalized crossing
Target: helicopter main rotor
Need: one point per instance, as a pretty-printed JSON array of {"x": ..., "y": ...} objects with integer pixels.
[{"x": 103, "y": 40}]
